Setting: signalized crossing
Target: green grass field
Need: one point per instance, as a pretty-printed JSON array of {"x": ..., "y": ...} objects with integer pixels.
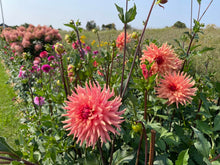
[{"x": 9, "y": 116}]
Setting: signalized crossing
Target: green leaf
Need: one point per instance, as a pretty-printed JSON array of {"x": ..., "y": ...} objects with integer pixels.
[
  {"x": 199, "y": 1},
  {"x": 202, "y": 145},
  {"x": 6, "y": 148},
  {"x": 183, "y": 158},
  {"x": 162, "y": 160},
  {"x": 71, "y": 26},
  {"x": 203, "y": 127},
  {"x": 121, "y": 13},
  {"x": 130, "y": 15},
  {"x": 217, "y": 123},
  {"x": 122, "y": 156}
]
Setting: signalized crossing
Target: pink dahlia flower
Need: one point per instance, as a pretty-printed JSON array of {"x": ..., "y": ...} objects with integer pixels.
[
  {"x": 120, "y": 40},
  {"x": 92, "y": 114},
  {"x": 46, "y": 68},
  {"x": 177, "y": 88},
  {"x": 164, "y": 58},
  {"x": 43, "y": 54}
]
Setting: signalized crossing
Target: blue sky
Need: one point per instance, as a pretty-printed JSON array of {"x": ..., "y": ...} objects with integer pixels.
[{"x": 57, "y": 12}]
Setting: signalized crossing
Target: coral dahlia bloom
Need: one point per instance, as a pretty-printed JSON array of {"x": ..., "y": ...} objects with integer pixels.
[
  {"x": 120, "y": 40},
  {"x": 177, "y": 88},
  {"x": 92, "y": 114},
  {"x": 164, "y": 58}
]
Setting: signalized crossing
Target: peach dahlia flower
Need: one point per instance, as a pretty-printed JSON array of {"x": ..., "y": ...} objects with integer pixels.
[
  {"x": 164, "y": 58},
  {"x": 177, "y": 88},
  {"x": 120, "y": 40},
  {"x": 92, "y": 114}
]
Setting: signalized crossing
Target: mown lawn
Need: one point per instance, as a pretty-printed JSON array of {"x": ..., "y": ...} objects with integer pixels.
[{"x": 9, "y": 117}]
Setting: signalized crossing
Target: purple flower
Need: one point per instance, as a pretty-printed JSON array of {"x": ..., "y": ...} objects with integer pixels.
[
  {"x": 46, "y": 68},
  {"x": 39, "y": 100},
  {"x": 95, "y": 52}
]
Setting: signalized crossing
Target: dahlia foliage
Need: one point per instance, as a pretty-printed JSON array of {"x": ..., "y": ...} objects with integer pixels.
[{"x": 93, "y": 113}]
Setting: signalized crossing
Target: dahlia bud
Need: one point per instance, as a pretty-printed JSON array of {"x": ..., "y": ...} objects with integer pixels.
[
  {"x": 70, "y": 68},
  {"x": 163, "y": 1},
  {"x": 67, "y": 38},
  {"x": 59, "y": 49},
  {"x": 134, "y": 35}
]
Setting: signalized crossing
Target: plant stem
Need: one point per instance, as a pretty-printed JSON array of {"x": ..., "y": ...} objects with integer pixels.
[
  {"x": 191, "y": 16},
  {"x": 80, "y": 44},
  {"x": 101, "y": 153},
  {"x": 62, "y": 76},
  {"x": 145, "y": 105},
  {"x": 137, "y": 49},
  {"x": 113, "y": 52},
  {"x": 18, "y": 160},
  {"x": 125, "y": 38},
  {"x": 112, "y": 150},
  {"x": 139, "y": 148},
  {"x": 32, "y": 96},
  {"x": 152, "y": 145},
  {"x": 205, "y": 10},
  {"x": 217, "y": 157}
]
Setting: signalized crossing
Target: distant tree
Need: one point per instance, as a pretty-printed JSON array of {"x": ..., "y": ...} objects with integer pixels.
[
  {"x": 179, "y": 24},
  {"x": 25, "y": 25},
  {"x": 108, "y": 26},
  {"x": 90, "y": 25}
]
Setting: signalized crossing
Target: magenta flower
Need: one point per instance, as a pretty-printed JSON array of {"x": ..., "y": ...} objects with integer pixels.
[
  {"x": 95, "y": 52},
  {"x": 51, "y": 58},
  {"x": 39, "y": 100},
  {"x": 46, "y": 68}
]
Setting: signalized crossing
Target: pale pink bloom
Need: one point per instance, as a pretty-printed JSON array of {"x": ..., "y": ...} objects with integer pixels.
[
  {"x": 120, "y": 40},
  {"x": 177, "y": 88},
  {"x": 93, "y": 113},
  {"x": 164, "y": 58},
  {"x": 38, "y": 47},
  {"x": 47, "y": 38},
  {"x": 26, "y": 43}
]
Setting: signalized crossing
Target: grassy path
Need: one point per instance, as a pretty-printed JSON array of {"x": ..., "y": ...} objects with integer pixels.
[{"x": 9, "y": 120}]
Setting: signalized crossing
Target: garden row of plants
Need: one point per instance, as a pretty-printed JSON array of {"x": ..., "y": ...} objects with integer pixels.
[{"x": 126, "y": 101}]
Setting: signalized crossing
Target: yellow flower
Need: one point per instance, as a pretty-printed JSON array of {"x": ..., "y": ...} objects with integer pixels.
[
  {"x": 93, "y": 42},
  {"x": 82, "y": 39}
]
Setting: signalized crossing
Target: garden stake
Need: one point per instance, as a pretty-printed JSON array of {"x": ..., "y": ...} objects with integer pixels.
[
  {"x": 137, "y": 49},
  {"x": 152, "y": 146}
]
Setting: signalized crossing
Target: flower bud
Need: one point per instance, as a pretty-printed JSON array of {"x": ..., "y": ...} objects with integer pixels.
[
  {"x": 59, "y": 49},
  {"x": 163, "y": 1}
]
